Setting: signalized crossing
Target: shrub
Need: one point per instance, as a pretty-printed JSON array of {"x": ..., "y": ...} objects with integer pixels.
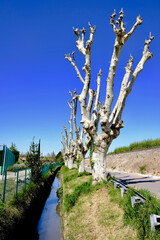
[
  {"x": 142, "y": 169},
  {"x": 60, "y": 192}
]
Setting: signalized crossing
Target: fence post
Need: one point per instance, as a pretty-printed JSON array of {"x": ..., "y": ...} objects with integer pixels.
[
  {"x": 17, "y": 182},
  {"x": 4, "y": 186}
]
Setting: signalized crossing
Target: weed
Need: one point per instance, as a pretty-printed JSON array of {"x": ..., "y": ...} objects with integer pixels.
[
  {"x": 142, "y": 169},
  {"x": 60, "y": 192}
]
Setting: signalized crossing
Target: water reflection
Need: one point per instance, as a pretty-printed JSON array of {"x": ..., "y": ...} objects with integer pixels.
[{"x": 49, "y": 225}]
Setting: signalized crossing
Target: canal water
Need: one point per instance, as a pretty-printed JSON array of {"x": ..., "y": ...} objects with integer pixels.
[{"x": 49, "y": 225}]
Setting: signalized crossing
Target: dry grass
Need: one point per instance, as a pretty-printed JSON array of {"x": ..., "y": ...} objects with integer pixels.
[{"x": 96, "y": 217}]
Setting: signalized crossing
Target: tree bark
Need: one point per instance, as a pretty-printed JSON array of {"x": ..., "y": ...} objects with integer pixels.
[
  {"x": 70, "y": 162},
  {"x": 99, "y": 168}
]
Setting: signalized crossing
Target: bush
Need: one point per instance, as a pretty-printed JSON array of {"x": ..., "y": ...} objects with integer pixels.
[
  {"x": 60, "y": 192},
  {"x": 16, "y": 166}
]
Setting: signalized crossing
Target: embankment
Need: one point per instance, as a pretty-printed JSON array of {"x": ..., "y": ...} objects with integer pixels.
[
  {"x": 146, "y": 161},
  {"x": 141, "y": 161},
  {"x": 18, "y": 220}
]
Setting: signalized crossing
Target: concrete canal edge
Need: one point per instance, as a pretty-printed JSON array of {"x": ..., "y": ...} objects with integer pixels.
[{"x": 25, "y": 226}]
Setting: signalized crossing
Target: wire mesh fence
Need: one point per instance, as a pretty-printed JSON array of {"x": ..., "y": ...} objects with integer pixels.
[{"x": 13, "y": 182}]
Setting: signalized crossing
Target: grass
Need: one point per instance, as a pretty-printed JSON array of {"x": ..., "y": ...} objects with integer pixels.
[
  {"x": 142, "y": 169},
  {"x": 138, "y": 145},
  {"x": 89, "y": 212},
  {"x": 11, "y": 183},
  {"x": 98, "y": 211},
  {"x": 25, "y": 206}
]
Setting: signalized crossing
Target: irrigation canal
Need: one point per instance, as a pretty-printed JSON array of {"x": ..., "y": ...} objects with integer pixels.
[{"x": 49, "y": 225}]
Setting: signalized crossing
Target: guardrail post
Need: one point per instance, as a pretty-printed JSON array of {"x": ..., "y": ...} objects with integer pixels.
[
  {"x": 4, "y": 186},
  {"x": 155, "y": 222},
  {"x": 135, "y": 200},
  {"x": 123, "y": 191}
]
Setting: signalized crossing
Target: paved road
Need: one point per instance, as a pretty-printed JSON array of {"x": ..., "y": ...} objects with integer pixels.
[{"x": 137, "y": 181}]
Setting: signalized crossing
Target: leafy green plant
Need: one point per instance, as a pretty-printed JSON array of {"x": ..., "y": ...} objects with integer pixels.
[
  {"x": 142, "y": 169},
  {"x": 60, "y": 192},
  {"x": 33, "y": 160}
]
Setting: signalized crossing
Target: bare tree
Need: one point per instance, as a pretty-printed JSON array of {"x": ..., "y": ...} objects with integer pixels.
[
  {"x": 81, "y": 146},
  {"x": 110, "y": 122},
  {"x": 65, "y": 150}
]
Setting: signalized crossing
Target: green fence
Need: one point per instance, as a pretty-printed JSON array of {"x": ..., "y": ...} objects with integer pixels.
[
  {"x": 45, "y": 168},
  {"x": 12, "y": 182},
  {"x": 7, "y": 158}
]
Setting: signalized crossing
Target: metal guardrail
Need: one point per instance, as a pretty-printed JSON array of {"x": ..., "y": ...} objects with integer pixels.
[{"x": 138, "y": 199}]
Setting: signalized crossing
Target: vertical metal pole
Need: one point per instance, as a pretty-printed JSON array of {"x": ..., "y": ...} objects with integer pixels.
[
  {"x": 4, "y": 186},
  {"x": 25, "y": 178},
  {"x": 4, "y": 160},
  {"x": 17, "y": 182}
]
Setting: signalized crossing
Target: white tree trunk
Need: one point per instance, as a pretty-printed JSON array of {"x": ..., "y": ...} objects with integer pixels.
[
  {"x": 66, "y": 163},
  {"x": 70, "y": 163},
  {"x": 99, "y": 168},
  {"x": 82, "y": 166}
]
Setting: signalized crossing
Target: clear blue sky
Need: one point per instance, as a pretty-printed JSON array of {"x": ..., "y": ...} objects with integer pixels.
[{"x": 35, "y": 78}]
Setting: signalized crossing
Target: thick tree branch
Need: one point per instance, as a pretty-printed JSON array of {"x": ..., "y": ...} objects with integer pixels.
[
  {"x": 128, "y": 84},
  {"x": 139, "y": 21},
  {"x": 121, "y": 38},
  {"x": 96, "y": 103},
  {"x": 80, "y": 42},
  {"x": 90, "y": 102}
]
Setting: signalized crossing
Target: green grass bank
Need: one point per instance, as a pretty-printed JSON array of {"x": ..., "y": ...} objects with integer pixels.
[
  {"x": 19, "y": 217},
  {"x": 138, "y": 146},
  {"x": 98, "y": 211}
]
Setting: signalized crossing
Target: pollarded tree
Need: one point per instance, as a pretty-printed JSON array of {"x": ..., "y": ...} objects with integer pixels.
[
  {"x": 110, "y": 122},
  {"x": 82, "y": 146}
]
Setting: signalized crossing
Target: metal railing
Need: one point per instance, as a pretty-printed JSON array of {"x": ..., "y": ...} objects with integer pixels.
[{"x": 137, "y": 199}]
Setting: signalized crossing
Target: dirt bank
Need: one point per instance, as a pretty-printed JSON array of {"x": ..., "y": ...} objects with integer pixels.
[{"x": 145, "y": 161}]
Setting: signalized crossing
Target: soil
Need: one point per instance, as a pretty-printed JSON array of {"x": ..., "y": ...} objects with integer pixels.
[{"x": 146, "y": 161}]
